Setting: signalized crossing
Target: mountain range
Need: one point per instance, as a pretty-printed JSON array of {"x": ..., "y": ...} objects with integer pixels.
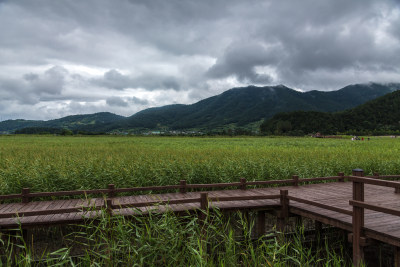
[{"x": 238, "y": 107}]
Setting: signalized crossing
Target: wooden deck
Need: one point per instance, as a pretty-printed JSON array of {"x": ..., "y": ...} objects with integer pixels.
[
  {"x": 328, "y": 203},
  {"x": 377, "y": 225}
]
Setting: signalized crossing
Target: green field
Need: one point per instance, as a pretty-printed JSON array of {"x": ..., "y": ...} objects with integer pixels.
[{"x": 51, "y": 163}]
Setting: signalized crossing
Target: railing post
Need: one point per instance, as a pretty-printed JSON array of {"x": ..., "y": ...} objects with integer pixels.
[
  {"x": 202, "y": 218},
  {"x": 358, "y": 219},
  {"x": 358, "y": 172},
  {"x": 109, "y": 206},
  {"x": 111, "y": 190},
  {"x": 341, "y": 179},
  {"x": 203, "y": 206},
  {"x": 242, "y": 184},
  {"x": 182, "y": 189},
  {"x": 295, "y": 180},
  {"x": 284, "y": 212},
  {"x": 25, "y": 195}
]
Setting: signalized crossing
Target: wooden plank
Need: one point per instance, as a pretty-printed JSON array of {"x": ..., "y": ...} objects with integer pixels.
[
  {"x": 12, "y": 207},
  {"x": 63, "y": 217}
]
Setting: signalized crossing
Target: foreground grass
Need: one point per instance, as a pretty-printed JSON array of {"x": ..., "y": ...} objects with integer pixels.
[
  {"x": 50, "y": 163},
  {"x": 168, "y": 240}
]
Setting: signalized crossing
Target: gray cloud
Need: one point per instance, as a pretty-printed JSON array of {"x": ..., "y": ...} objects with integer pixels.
[
  {"x": 241, "y": 59},
  {"x": 116, "y": 101},
  {"x": 139, "y": 101},
  {"x": 67, "y": 57},
  {"x": 51, "y": 82},
  {"x": 32, "y": 87},
  {"x": 113, "y": 79},
  {"x": 299, "y": 40},
  {"x": 125, "y": 102}
]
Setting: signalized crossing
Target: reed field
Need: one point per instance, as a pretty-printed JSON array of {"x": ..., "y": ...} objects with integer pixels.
[
  {"x": 169, "y": 240},
  {"x": 53, "y": 163}
]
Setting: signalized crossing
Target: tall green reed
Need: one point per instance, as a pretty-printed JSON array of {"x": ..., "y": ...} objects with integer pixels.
[{"x": 155, "y": 239}]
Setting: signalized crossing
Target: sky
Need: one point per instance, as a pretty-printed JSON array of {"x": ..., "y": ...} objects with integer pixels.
[{"x": 67, "y": 57}]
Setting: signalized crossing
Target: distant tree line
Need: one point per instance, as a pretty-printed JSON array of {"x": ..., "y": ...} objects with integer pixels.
[{"x": 54, "y": 131}]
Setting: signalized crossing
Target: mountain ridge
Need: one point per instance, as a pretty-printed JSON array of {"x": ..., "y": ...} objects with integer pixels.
[{"x": 238, "y": 107}]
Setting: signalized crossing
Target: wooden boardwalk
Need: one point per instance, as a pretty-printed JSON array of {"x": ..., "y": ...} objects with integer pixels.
[{"x": 340, "y": 204}]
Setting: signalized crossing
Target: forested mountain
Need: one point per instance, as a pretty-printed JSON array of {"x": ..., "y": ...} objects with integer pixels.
[
  {"x": 237, "y": 107},
  {"x": 86, "y": 122},
  {"x": 378, "y": 116},
  {"x": 241, "y": 106}
]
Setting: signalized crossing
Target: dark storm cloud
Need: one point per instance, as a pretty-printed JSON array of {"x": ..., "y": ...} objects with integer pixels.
[
  {"x": 181, "y": 51},
  {"x": 240, "y": 60},
  {"x": 310, "y": 36}
]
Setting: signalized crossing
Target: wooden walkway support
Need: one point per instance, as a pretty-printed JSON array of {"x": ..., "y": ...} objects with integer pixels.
[{"x": 367, "y": 207}]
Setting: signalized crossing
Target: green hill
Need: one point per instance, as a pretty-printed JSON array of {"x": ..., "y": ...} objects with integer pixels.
[
  {"x": 85, "y": 122},
  {"x": 378, "y": 116}
]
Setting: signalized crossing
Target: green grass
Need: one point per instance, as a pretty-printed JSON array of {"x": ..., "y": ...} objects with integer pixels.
[
  {"x": 168, "y": 240},
  {"x": 51, "y": 163}
]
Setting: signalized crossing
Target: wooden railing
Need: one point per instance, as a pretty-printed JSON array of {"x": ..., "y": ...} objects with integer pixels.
[
  {"x": 359, "y": 205},
  {"x": 26, "y": 195},
  {"x": 109, "y": 205},
  {"x": 320, "y": 205}
]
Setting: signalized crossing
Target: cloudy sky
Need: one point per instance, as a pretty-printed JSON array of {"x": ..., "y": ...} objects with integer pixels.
[{"x": 67, "y": 57}]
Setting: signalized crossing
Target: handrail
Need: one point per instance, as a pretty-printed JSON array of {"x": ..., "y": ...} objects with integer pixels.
[
  {"x": 383, "y": 176},
  {"x": 26, "y": 195},
  {"x": 373, "y": 181},
  {"x": 49, "y": 212},
  {"x": 238, "y": 198},
  {"x": 68, "y": 193},
  {"x": 320, "y": 205},
  {"x": 378, "y": 208},
  {"x": 109, "y": 205}
]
